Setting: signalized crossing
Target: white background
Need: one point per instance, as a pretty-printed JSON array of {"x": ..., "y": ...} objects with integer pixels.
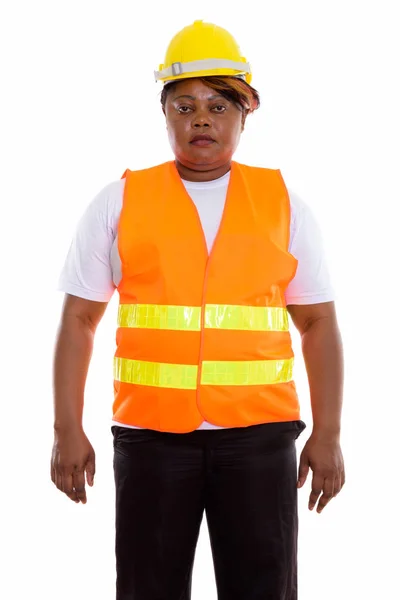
[{"x": 79, "y": 105}]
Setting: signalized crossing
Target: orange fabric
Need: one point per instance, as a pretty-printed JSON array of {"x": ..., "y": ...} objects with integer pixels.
[{"x": 164, "y": 260}]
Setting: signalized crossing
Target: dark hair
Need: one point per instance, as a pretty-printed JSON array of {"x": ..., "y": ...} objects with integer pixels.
[{"x": 232, "y": 88}]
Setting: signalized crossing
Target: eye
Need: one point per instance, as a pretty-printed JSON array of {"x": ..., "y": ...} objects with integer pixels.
[
  {"x": 220, "y": 108},
  {"x": 184, "y": 109}
]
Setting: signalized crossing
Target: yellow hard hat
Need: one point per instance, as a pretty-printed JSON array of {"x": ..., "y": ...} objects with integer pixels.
[{"x": 202, "y": 50}]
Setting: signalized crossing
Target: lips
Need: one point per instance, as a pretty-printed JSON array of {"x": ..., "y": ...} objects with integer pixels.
[
  {"x": 202, "y": 140},
  {"x": 202, "y": 136}
]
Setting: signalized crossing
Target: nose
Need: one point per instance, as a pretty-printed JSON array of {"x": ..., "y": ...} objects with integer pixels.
[{"x": 201, "y": 119}]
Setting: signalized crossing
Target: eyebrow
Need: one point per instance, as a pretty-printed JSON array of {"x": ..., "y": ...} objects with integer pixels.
[{"x": 193, "y": 97}]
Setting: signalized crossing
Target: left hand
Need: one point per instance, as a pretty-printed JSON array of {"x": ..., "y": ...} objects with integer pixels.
[{"x": 324, "y": 456}]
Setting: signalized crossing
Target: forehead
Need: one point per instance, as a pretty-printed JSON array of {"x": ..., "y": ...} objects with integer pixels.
[{"x": 194, "y": 88}]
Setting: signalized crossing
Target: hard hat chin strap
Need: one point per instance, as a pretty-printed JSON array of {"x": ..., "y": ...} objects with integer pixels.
[{"x": 208, "y": 64}]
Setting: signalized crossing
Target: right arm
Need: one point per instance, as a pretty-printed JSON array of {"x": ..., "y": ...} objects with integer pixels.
[
  {"x": 74, "y": 347},
  {"x": 72, "y": 454},
  {"x": 87, "y": 281}
]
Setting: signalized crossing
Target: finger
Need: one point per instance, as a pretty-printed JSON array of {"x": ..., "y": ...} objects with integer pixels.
[
  {"x": 90, "y": 471},
  {"x": 53, "y": 473},
  {"x": 303, "y": 470},
  {"x": 59, "y": 481},
  {"x": 58, "y": 473},
  {"x": 316, "y": 489},
  {"x": 68, "y": 487},
  {"x": 329, "y": 486},
  {"x": 79, "y": 485},
  {"x": 338, "y": 485}
]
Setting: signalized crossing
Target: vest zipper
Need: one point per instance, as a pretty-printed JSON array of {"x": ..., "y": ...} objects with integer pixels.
[
  {"x": 209, "y": 256},
  {"x": 203, "y": 298},
  {"x": 202, "y": 321}
]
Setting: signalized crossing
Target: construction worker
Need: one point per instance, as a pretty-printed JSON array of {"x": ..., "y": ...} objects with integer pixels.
[{"x": 209, "y": 257}]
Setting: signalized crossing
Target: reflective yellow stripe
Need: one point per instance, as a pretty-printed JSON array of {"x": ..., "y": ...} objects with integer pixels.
[
  {"x": 157, "y": 316},
  {"x": 163, "y": 375},
  {"x": 251, "y": 372},
  {"x": 246, "y": 318},
  {"x": 217, "y": 316},
  {"x": 257, "y": 372}
]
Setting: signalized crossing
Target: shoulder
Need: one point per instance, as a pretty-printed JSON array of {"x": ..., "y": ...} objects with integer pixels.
[
  {"x": 106, "y": 205},
  {"x": 256, "y": 170},
  {"x": 272, "y": 174},
  {"x": 302, "y": 213},
  {"x": 106, "y": 199},
  {"x": 298, "y": 206},
  {"x": 165, "y": 166}
]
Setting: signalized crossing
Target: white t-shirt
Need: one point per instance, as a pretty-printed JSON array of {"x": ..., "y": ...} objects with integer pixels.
[{"x": 92, "y": 268}]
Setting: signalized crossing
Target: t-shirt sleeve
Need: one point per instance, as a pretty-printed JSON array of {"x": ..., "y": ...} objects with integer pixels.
[
  {"x": 311, "y": 283},
  {"x": 87, "y": 271}
]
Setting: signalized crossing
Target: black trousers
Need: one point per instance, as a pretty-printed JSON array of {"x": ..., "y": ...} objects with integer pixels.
[{"x": 245, "y": 481}]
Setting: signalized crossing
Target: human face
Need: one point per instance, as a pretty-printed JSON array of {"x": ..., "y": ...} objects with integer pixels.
[{"x": 193, "y": 109}]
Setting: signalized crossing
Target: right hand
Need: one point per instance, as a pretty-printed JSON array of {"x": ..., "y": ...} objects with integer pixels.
[{"x": 71, "y": 456}]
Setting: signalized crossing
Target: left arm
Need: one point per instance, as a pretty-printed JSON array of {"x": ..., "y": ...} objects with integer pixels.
[{"x": 323, "y": 356}]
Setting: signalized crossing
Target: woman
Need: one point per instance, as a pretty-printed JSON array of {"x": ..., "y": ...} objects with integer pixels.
[{"x": 209, "y": 257}]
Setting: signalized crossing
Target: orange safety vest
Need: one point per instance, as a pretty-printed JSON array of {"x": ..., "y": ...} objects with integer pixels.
[{"x": 204, "y": 337}]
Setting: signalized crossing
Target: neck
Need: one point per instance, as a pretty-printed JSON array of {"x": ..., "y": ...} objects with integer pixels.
[{"x": 208, "y": 173}]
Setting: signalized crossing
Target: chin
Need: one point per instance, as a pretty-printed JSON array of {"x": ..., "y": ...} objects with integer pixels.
[
  {"x": 200, "y": 163},
  {"x": 200, "y": 159}
]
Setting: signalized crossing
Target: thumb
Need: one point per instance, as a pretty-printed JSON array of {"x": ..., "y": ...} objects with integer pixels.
[
  {"x": 303, "y": 470},
  {"x": 90, "y": 470}
]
